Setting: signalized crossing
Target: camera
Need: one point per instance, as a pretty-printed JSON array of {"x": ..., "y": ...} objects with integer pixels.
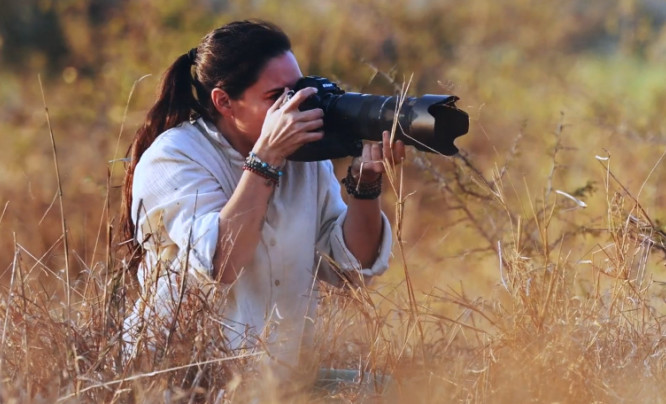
[{"x": 429, "y": 123}]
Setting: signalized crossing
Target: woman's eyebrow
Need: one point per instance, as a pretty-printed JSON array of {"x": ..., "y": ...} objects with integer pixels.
[{"x": 275, "y": 91}]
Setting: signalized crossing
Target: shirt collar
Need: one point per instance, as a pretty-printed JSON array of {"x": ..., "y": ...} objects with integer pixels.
[{"x": 216, "y": 136}]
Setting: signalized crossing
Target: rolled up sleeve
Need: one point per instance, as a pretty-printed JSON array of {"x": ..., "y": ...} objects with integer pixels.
[
  {"x": 176, "y": 203},
  {"x": 346, "y": 260},
  {"x": 331, "y": 239}
]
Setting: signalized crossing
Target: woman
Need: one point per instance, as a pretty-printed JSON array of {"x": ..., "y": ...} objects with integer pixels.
[{"x": 209, "y": 194}]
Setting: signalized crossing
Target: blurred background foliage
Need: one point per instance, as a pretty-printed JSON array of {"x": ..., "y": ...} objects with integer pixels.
[{"x": 522, "y": 68}]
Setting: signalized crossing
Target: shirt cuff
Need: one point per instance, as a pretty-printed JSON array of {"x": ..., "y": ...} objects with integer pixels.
[{"x": 346, "y": 260}]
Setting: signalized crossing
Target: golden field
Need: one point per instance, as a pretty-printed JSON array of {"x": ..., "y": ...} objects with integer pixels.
[{"x": 531, "y": 268}]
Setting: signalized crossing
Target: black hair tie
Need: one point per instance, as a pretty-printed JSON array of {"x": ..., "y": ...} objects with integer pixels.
[{"x": 192, "y": 55}]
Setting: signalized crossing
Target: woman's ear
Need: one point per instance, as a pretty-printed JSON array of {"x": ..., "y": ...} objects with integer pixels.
[{"x": 222, "y": 102}]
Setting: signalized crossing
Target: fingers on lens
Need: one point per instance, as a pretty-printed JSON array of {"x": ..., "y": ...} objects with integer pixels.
[
  {"x": 313, "y": 136},
  {"x": 376, "y": 151},
  {"x": 366, "y": 154},
  {"x": 303, "y": 93},
  {"x": 312, "y": 125},
  {"x": 400, "y": 149},
  {"x": 312, "y": 114}
]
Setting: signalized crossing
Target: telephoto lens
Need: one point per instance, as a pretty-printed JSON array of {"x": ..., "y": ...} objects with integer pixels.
[{"x": 429, "y": 123}]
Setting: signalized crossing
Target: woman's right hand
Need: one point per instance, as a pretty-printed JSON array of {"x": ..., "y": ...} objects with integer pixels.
[{"x": 286, "y": 128}]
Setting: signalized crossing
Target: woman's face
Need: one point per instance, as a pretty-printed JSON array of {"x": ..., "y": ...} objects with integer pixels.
[{"x": 250, "y": 109}]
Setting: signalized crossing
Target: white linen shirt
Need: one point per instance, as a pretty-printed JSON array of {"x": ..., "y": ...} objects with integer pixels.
[{"x": 181, "y": 183}]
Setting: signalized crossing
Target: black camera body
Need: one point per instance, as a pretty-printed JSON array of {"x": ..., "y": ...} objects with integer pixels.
[{"x": 430, "y": 123}]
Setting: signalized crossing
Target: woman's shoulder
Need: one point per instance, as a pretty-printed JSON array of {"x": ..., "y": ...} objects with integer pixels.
[
  {"x": 177, "y": 139},
  {"x": 184, "y": 142}
]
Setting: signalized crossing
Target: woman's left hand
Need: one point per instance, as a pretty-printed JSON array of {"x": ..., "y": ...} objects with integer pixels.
[
  {"x": 371, "y": 164},
  {"x": 363, "y": 227}
]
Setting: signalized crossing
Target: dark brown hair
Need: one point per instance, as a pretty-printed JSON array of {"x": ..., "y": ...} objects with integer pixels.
[{"x": 230, "y": 58}]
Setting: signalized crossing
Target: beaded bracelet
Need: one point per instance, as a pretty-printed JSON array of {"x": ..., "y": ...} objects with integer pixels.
[
  {"x": 362, "y": 190},
  {"x": 255, "y": 165}
]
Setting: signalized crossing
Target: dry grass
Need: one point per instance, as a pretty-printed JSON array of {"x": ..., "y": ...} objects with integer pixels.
[
  {"x": 528, "y": 269},
  {"x": 556, "y": 328}
]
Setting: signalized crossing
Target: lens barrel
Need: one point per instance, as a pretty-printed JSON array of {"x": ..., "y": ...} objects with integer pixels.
[{"x": 429, "y": 123}]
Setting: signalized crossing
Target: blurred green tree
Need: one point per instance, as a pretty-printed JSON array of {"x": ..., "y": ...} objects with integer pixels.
[{"x": 30, "y": 32}]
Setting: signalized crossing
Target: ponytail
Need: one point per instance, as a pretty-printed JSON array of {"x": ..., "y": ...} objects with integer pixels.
[{"x": 175, "y": 104}]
